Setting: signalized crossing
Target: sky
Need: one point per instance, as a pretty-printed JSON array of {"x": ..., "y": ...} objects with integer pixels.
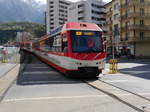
[{"x": 44, "y": 1}]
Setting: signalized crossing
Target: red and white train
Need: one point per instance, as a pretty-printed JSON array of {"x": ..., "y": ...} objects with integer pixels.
[{"x": 76, "y": 49}]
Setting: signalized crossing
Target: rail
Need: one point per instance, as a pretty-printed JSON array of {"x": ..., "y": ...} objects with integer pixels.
[{"x": 104, "y": 87}]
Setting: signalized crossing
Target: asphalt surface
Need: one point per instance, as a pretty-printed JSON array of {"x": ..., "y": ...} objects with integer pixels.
[
  {"x": 137, "y": 67},
  {"x": 42, "y": 88}
]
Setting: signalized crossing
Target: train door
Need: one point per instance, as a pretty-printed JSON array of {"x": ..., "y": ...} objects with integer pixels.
[{"x": 64, "y": 42}]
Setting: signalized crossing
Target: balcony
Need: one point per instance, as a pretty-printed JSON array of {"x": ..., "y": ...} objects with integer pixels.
[
  {"x": 135, "y": 15},
  {"x": 108, "y": 23},
  {"x": 137, "y": 39},
  {"x": 136, "y": 27},
  {"x": 109, "y": 33},
  {"x": 109, "y": 13},
  {"x": 135, "y": 3}
]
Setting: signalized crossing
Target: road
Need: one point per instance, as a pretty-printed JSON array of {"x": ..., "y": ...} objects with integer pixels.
[{"x": 41, "y": 88}]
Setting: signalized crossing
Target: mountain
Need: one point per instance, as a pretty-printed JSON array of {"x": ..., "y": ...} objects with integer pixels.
[{"x": 22, "y": 10}]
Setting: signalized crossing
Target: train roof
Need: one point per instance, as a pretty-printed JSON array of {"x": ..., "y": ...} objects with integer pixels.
[
  {"x": 44, "y": 37},
  {"x": 81, "y": 26},
  {"x": 75, "y": 26}
]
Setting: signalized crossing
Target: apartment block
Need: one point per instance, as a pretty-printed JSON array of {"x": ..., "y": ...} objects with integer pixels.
[
  {"x": 132, "y": 19},
  {"x": 113, "y": 25},
  {"x": 92, "y": 11},
  {"x": 57, "y": 13},
  {"x": 135, "y": 26}
]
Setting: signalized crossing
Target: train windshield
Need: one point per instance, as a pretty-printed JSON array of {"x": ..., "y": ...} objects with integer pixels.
[{"x": 86, "y": 41}]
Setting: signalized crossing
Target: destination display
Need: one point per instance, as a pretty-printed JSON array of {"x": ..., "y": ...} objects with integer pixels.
[{"x": 84, "y": 33}]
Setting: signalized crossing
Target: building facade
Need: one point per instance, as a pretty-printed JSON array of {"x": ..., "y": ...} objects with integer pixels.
[
  {"x": 91, "y": 11},
  {"x": 57, "y": 13},
  {"x": 113, "y": 25},
  {"x": 132, "y": 21},
  {"x": 135, "y": 26}
]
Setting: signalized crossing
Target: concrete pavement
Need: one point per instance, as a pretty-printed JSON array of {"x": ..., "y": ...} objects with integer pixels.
[{"x": 42, "y": 88}]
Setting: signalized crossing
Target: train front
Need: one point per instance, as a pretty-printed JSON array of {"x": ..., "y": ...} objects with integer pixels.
[{"x": 86, "y": 49}]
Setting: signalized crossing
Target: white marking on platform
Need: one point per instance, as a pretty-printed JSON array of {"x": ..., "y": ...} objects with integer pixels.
[
  {"x": 49, "y": 98},
  {"x": 40, "y": 67},
  {"x": 66, "y": 97},
  {"x": 120, "y": 80},
  {"x": 40, "y": 72}
]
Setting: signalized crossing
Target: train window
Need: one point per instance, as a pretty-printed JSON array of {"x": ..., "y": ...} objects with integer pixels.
[
  {"x": 86, "y": 41},
  {"x": 47, "y": 46},
  {"x": 35, "y": 45},
  {"x": 55, "y": 43},
  {"x": 51, "y": 39},
  {"x": 64, "y": 43}
]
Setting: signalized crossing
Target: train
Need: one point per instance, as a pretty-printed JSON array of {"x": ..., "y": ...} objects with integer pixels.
[{"x": 77, "y": 49}]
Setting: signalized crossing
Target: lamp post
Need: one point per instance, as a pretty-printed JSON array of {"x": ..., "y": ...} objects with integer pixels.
[
  {"x": 113, "y": 45},
  {"x": 115, "y": 41}
]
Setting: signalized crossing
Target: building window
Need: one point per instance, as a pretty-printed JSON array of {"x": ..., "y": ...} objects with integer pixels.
[
  {"x": 51, "y": 10},
  {"x": 127, "y": 24},
  {"x": 95, "y": 12},
  {"x": 141, "y": 22},
  {"x": 116, "y": 30},
  {"x": 116, "y": 6},
  {"x": 115, "y": 16},
  {"x": 51, "y": 6},
  {"x": 110, "y": 19},
  {"x": 81, "y": 18},
  {"x": 81, "y": 5},
  {"x": 51, "y": 27},
  {"x": 141, "y": 1},
  {"x": 65, "y": 3},
  {"x": 80, "y": 12},
  {"x": 126, "y": 36},
  {"x": 60, "y": 10},
  {"x": 141, "y": 35},
  {"x": 97, "y": 6},
  {"x": 61, "y": 6},
  {"x": 126, "y": 2},
  {"x": 126, "y": 13},
  {"x": 110, "y": 9},
  {"x": 141, "y": 11}
]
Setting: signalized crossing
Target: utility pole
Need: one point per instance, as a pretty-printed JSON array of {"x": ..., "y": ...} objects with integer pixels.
[
  {"x": 45, "y": 21},
  {"x": 113, "y": 45}
]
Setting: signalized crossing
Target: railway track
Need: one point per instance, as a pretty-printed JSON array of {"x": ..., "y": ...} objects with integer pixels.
[
  {"x": 130, "y": 99},
  {"x": 121, "y": 95},
  {"x": 133, "y": 100}
]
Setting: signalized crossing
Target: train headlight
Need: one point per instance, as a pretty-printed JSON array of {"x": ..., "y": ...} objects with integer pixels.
[
  {"x": 98, "y": 63},
  {"x": 78, "y": 63}
]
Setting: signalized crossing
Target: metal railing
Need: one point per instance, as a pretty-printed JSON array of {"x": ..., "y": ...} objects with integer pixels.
[
  {"x": 135, "y": 3},
  {"x": 135, "y": 27},
  {"x": 136, "y": 14},
  {"x": 138, "y": 39}
]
